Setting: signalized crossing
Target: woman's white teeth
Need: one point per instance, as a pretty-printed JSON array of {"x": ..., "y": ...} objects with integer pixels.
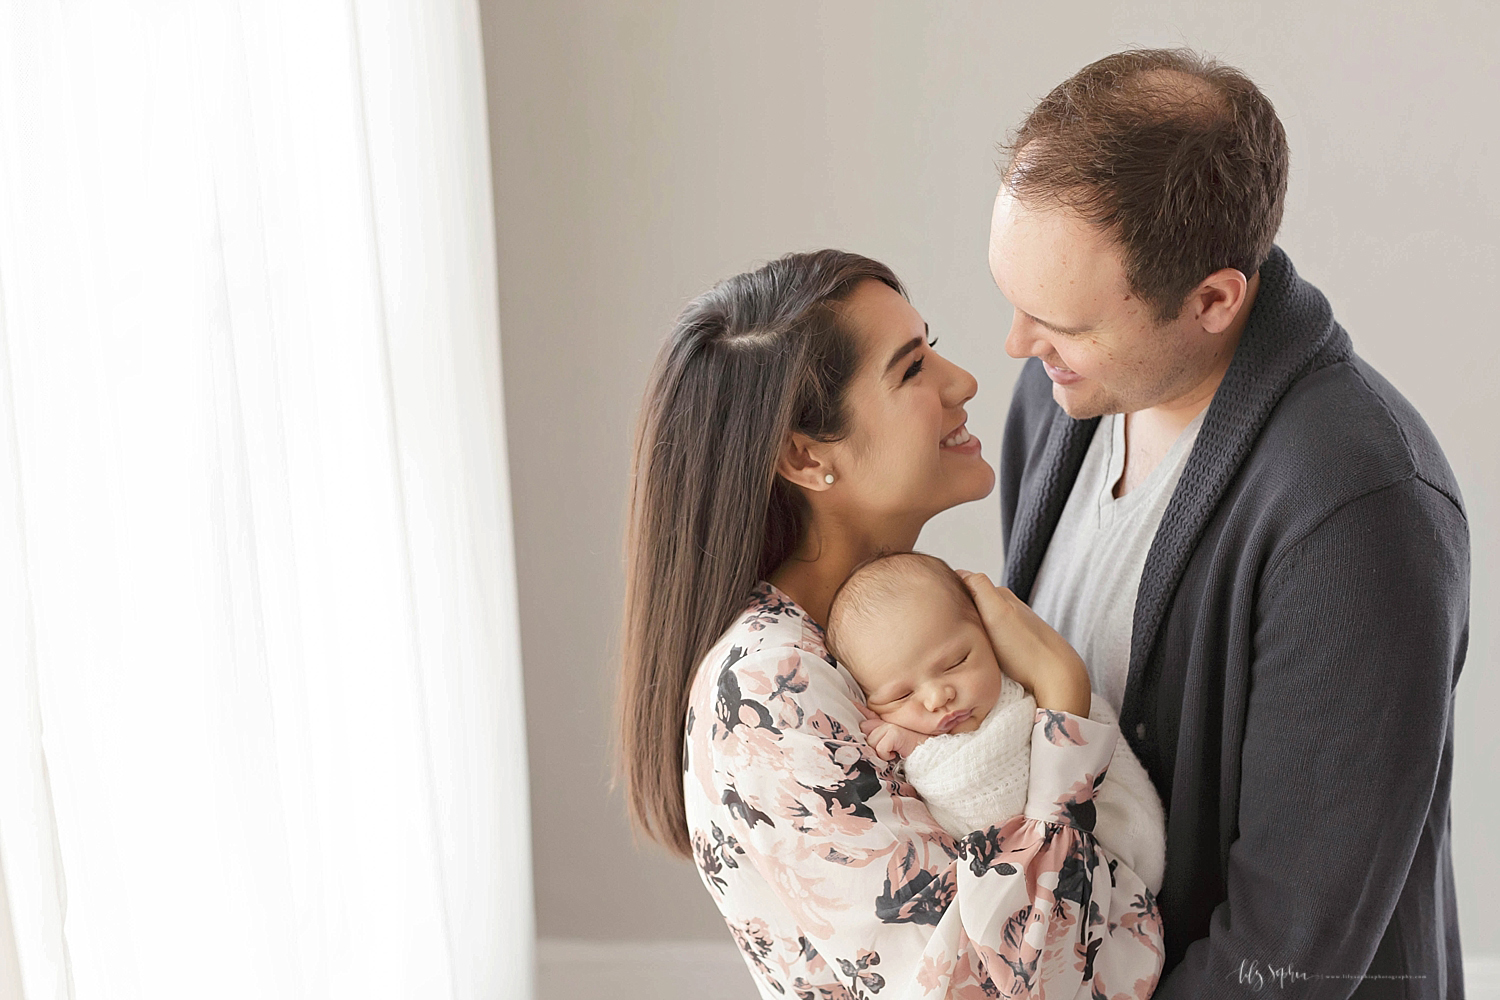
[{"x": 958, "y": 437}]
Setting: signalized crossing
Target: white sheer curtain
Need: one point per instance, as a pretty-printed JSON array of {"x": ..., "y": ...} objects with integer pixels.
[{"x": 260, "y": 697}]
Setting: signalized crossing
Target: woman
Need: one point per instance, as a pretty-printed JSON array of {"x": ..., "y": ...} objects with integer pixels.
[{"x": 799, "y": 420}]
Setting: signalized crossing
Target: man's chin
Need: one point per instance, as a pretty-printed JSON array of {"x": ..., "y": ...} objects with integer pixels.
[{"x": 1078, "y": 404}]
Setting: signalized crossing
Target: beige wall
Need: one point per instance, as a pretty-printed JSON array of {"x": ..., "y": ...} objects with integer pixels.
[{"x": 643, "y": 151}]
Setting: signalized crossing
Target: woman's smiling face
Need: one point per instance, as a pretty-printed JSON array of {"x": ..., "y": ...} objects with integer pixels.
[{"x": 908, "y": 453}]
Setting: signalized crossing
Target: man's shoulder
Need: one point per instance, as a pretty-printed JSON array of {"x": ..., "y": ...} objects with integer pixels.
[{"x": 1343, "y": 431}]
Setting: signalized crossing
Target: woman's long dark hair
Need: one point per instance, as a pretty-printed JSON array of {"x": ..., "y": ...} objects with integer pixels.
[{"x": 758, "y": 356}]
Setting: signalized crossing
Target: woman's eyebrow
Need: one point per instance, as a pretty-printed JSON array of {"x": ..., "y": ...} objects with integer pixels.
[{"x": 907, "y": 348}]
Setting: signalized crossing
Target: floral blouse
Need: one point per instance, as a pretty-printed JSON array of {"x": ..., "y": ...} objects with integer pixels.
[{"x": 836, "y": 882}]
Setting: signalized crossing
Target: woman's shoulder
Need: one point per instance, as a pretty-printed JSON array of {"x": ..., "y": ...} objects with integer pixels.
[
  {"x": 771, "y": 608},
  {"x": 769, "y": 621},
  {"x": 773, "y": 650}
]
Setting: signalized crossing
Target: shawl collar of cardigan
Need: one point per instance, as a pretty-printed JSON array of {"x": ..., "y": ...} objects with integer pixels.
[{"x": 1291, "y": 332}]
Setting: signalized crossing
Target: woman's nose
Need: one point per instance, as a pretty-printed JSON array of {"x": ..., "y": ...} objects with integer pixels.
[{"x": 960, "y": 388}]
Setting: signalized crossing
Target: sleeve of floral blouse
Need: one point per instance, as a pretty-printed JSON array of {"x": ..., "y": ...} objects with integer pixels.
[{"x": 1025, "y": 908}]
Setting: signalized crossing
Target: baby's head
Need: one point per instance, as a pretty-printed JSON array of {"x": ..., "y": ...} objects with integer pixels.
[{"x": 905, "y": 626}]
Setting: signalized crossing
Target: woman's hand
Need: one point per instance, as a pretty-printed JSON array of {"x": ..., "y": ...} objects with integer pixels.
[
  {"x": 890, "y": 740},
  {"x": 1030, "y": 650}
]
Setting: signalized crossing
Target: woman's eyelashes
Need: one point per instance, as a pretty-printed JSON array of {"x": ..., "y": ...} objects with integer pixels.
[{"x": 916, "y": 366}]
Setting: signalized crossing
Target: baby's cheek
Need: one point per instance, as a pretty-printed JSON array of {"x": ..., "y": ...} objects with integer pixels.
[
  {"x": 970, "y": 724},
  {"x": 913, "y": 721}
]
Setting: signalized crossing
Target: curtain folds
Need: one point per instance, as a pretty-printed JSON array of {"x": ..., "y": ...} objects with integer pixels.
[{"x": 260, "y": 696}]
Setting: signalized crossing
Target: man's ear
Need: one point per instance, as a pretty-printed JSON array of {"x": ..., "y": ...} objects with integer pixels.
[
  {"x": 803, "y": 462},
  {"x": 1219, "y": 297}
]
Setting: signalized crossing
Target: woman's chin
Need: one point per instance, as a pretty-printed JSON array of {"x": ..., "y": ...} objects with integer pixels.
[
  {"x": 984, "y": 483},
  {"x": 958, "y": 494}
]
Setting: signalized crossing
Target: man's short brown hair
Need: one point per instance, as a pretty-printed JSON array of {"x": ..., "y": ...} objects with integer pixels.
[{"x": 1180, "y": 160}]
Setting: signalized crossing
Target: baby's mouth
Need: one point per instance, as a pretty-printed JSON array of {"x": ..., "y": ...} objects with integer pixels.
[{"x": 952, "y": 719}]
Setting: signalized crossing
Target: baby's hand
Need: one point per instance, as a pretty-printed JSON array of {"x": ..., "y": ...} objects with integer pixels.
[
  {"x": 1029, "y": 650},
  {"x": 890, "y": 740}
]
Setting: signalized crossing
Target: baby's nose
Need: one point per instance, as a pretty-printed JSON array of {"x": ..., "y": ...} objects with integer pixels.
[{"x": 937, "y": 697}]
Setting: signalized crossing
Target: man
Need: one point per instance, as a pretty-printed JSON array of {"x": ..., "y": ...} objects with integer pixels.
[{"x": 1252, "y": 538}]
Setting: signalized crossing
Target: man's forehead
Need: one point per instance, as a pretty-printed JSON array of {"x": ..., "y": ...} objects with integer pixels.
[{"x": 1049, "y": 258}]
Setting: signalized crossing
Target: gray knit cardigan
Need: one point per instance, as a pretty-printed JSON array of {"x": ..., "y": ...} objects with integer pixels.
[{"x": 1299, "y": 630}]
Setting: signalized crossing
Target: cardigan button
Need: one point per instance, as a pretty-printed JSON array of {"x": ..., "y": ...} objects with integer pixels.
[{"x": 1140, "y": 730}]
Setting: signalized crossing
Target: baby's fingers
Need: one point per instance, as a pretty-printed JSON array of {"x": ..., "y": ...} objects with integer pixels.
[
  {"x": 878, "y": 735},
  {"x": 888, "y": 743}
]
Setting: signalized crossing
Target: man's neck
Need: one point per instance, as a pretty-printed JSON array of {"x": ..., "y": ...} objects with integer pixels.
[{"x": 1150, "y": 432}]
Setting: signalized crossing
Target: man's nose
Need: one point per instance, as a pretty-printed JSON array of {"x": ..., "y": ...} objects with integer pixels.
[{"x": 1022, "y": 340}]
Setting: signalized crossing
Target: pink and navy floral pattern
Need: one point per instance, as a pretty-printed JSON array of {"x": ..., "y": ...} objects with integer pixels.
[{"x": 838, "y": 885}]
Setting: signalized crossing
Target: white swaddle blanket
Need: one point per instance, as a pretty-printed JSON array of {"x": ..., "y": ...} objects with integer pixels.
[{"x": 979, "y": 779}]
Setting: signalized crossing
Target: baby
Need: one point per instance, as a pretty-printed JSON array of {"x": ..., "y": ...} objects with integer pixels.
[{"x": 905, "y": 626}]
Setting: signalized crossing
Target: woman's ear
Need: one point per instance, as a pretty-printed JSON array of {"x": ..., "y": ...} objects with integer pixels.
[{"x": 804, "y": 462}]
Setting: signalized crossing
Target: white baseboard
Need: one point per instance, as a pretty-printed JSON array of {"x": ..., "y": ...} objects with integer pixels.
[{"x": 571, "y": 969}]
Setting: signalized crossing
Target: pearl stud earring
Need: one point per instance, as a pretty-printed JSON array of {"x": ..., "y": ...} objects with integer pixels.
[{"x": 828, "y": 479}]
